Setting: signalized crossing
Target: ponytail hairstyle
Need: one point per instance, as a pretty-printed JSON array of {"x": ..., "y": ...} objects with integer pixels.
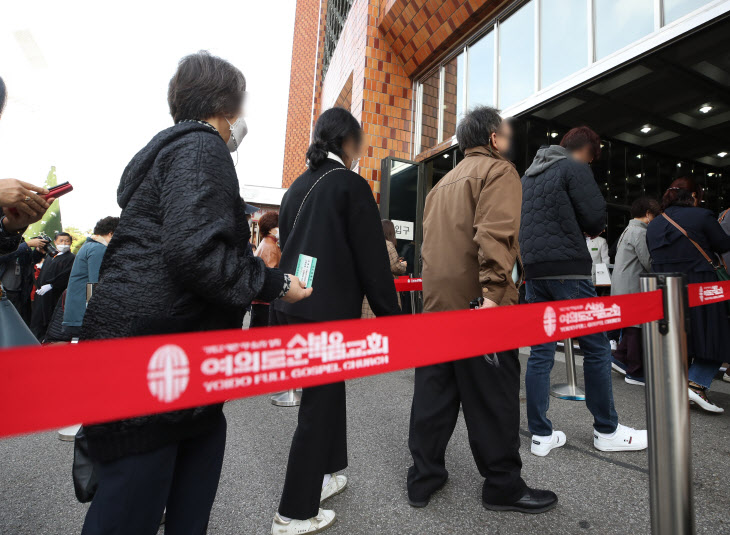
[
  {"x": 333, "y": 128},
  {"x": 389, "y": 231},
  {"x": 680, "y": 193}
]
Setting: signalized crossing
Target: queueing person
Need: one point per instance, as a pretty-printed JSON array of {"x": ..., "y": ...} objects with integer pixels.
[
  {"x": 16, "y": 275},
  {"x": 329, "y": 213},
  {"x": 560, "y": 203},
  {"x": 397, "y": 264},
  {"x": 598, "y": 249},
  {"x": 51, "y": 283},
  {"x": 686, "y": 238},
  {"x": 85, "y": 270},
  {"x": 470, "y": 227},
  {"x": 178, "y": 263},
  {"x": 725, "y": 224},
  {"x": 632, "y": 259},
  {"x": 268, "y": 251}
]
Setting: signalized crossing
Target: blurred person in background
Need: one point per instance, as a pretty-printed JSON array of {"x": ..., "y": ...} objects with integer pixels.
[
  {"x": 686, "y": 239},
  {"x": 178, "y": 262},
  {"x": 725, "y": 224},
  {"x": 268, "y": 251},
  {"x": 86, "y": 270},
  {"x": 51, "y": 283},
  {"x": 632, "y": 259},
  {"x": 20, "y": 204},
  {"x": 328, "y": 213},
  {"x": 397, "y": 264},
  {"x": 471, "y": 223},
  {"x": 561, "y": 203},
  {"x": 16, "y": 275}
]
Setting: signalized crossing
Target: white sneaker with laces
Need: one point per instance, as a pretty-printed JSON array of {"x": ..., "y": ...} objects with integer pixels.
[
  {"x": 319, "y": 523},
  {"x": 334, "y": 486},
  {"x": 700, "y": 398},
  {"x": 541, "y": 446},
  {"x": 624, "y": 439}
]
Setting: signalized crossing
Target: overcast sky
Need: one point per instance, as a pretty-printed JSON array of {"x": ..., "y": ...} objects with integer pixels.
[{"x": 87, "y": 84}]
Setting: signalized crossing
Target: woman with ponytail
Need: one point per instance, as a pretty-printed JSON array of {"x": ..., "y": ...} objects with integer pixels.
[
  {"x": 328, "y": 213},
  {"x": 687, "y": 239}
]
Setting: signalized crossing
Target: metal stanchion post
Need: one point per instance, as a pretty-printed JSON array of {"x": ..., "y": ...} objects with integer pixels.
[
  {"x": 290, "y": 398},
  {"x": 569, "y": 390},
  {"x": 667, "y": 410}
]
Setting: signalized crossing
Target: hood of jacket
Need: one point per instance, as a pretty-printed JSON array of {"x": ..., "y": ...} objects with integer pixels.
[
  {"x": 545, "y": 157},
  {"x": 143, "y": 161}
]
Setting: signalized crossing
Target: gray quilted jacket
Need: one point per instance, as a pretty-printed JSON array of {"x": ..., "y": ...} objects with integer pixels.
[{"x": 560, "y": 202}]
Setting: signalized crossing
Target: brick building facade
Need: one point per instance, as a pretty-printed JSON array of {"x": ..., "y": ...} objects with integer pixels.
[{"x": 383, "y": 46}]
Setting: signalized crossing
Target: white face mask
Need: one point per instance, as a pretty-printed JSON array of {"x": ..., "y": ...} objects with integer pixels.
[
  {"x": 239, "y": 129},
  {"x": 354, "y": 163},
  {"x": 275, "y": 233},
  {"x": 63, "y": 248}
]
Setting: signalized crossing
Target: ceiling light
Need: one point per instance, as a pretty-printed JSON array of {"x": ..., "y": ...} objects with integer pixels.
[
  {"x": 638, "y": 156},
  {"x": 446, "y": 155},
  {"x": 645, "y": 129},
  {"x": 638, "y": 176},
  {"x": 705, "y": 108},
  {"x": 710, "y": 174},
  {"x": 679, "y": 165},
  {"x": 553, "y": 135},
  {"x": 722, "y": 154}
]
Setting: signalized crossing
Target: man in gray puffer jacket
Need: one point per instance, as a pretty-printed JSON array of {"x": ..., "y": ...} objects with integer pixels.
[{"x": 560, "y": 202}]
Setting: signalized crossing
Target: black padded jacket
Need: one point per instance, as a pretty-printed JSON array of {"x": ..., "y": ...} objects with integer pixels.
[
  {"x": 560, "y": 201},
  {"x": 179, "y": 262}
]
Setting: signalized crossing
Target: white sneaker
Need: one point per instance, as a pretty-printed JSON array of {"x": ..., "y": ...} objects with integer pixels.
[
  {"x": 726, "y": 377},
  {"x": 624, "y": 439},
  {"x": 614, "y": 345},
  {"x": 319, "y": 523},
  {"x": 700, "y": 398},
  {"x": 334, "y": 486},
  {"x": 541, "y": 446}
]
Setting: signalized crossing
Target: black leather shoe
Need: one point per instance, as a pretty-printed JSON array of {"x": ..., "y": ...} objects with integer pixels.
[
  {"x": 423, "y": 503},
  {"x": 533, "y": 501}
]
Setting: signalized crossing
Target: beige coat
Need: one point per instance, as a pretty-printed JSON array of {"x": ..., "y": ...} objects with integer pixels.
[
  {"x": 396, "y": 268},
  {"x": 471, "y": 224}
]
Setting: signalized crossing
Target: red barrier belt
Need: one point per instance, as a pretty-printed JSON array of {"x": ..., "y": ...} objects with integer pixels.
[
  {"x": 52, "y": 386},
  {"x": 407, "y": 284},
  {"x": 704, "y": 293}
]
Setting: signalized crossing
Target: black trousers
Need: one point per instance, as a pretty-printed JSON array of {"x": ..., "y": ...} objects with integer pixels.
[
  {"x": 630, "y": 351},
  {"x": 134, "y": 491},
  {"x": 489, "y": 394},
  {"x": 21, "y": 302},
  {"x": 319, "y": 445}
]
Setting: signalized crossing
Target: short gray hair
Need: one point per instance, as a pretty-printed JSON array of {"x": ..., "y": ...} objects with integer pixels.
[{"x": 477, "y": 126}]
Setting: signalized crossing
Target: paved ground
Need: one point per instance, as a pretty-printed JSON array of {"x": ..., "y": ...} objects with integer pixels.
[{"x": 599, "y": 493}]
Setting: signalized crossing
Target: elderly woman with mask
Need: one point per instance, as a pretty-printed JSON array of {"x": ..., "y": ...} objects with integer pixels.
[{"x": 177, "y": 264}]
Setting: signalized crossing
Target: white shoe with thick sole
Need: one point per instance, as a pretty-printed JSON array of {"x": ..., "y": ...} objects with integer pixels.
[
  {"x": 334, "y": 486},
  {"x": 624, "y": 439},
  {"x": 317, "y": 524},
  {"x": 701, "y": 399},
  {"x": 726, "y": 377},
  {"x": 541, "y": 446}
]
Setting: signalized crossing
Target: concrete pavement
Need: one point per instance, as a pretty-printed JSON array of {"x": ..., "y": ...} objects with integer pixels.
[{"x": 603, "y": 493}]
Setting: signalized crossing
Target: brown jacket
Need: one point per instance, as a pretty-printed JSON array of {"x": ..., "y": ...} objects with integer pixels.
[
  {"x": 471, "y": 224},
  {"x": 269, "y": 252}
]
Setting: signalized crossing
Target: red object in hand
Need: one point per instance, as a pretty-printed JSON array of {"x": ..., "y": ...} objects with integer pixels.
[{"x": 56, "y": 191}]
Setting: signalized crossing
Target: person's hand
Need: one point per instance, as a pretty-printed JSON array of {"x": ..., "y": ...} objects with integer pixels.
[
  {"x": 22, "y": 196},
  {"x": 44, "y": 289},
  {"x": 297, "y": 292},
  {"x": 488, "y": 303},
  {"x": 36, "y": 242}
]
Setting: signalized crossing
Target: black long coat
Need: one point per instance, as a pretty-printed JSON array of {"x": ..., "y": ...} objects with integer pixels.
[{"x": 672, "y": 252}]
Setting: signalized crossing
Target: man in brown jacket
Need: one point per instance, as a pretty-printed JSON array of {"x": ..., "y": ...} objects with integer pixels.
[{"x": 471, "y": 224}]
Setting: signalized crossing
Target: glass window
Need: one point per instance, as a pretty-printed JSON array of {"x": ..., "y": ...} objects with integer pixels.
[
  {"x": 621, "y": 22},
  {"x": 674, "y": 9},
  {"x": 517, "y": 56},
  {"x": 453, "y": 95},
  {"x": 563, "y": 39},
  {"x": 481, "y": 72},
  {"x": 430, "y": 112}
]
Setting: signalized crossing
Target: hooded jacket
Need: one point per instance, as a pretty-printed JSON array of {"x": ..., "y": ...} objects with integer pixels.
[
  {"x": 470, "y": 226},
  {"x": 179, "y": 261},
  {"x": 560, "y": 201}
]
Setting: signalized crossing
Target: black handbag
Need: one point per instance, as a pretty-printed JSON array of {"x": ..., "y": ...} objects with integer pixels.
[{"x": 84, "y": 471}]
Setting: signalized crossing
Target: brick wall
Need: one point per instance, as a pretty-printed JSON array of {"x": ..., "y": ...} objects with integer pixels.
[{"x": 305, "y": 54}]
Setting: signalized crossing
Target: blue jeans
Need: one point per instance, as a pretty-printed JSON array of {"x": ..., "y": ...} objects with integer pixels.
[
  {"x": 596, "y": 363},
  {"x": 702, "y": 371}
]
